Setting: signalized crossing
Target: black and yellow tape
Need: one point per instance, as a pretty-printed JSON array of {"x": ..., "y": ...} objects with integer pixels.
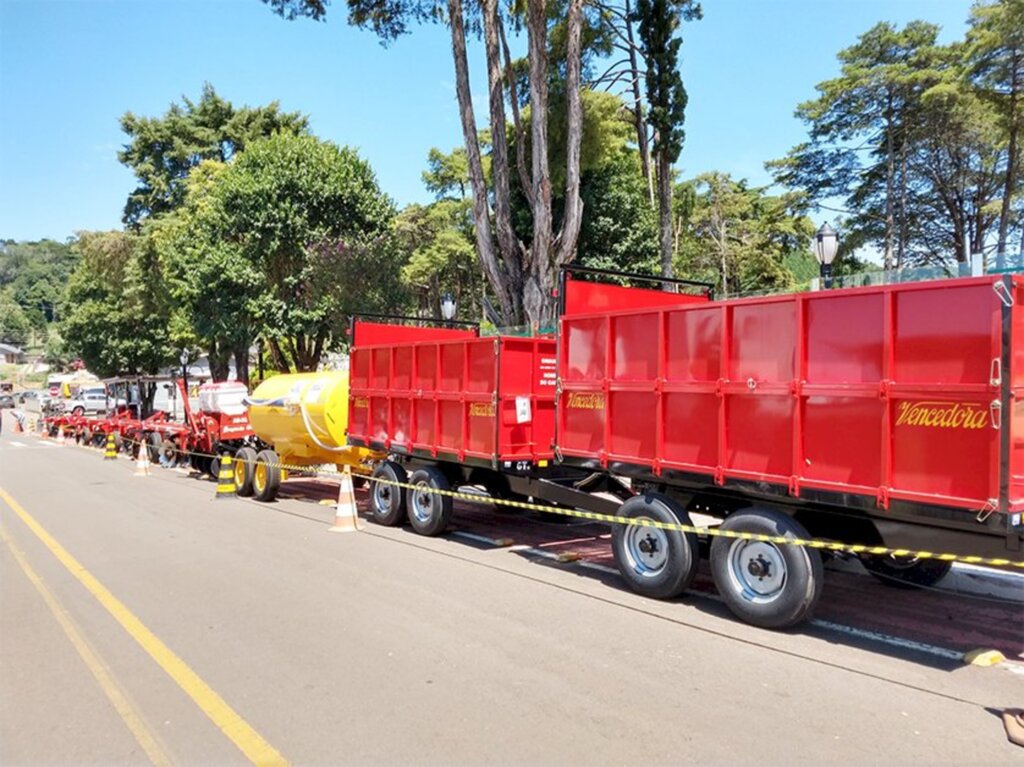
[{"x": 612, "y": 519}]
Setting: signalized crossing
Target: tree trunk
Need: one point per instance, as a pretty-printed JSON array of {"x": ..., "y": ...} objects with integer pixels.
[
  {"x": 517, "y": 122},
  {"x": 1011, "y": 164},
  {"x": 665, "y": 213},
  {"x": 219, "y": 359},
  {"x": 889, "y": 173},
  {"x": 241, "y": 353},
  {"x": 481, "y": 215},
  {"x": 277, "y": 356},
  {"x": 638, "y": 107},
  {"x": 573, "y": 215},
  {"x": 509, "y": 245},
  {"x": 535, "y": 302}
]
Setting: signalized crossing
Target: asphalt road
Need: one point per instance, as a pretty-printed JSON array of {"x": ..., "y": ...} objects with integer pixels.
[{"x": 143, "y": 622}]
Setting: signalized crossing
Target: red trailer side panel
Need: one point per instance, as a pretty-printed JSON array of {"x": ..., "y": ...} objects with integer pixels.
[
  {"x": 889, "y": 392},
  {"x": 428, "y": 392}
]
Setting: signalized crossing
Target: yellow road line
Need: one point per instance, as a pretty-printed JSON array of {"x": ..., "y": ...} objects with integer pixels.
[
  {"x": 118, "y": 698},
  {"x": 238, "y": 731}
]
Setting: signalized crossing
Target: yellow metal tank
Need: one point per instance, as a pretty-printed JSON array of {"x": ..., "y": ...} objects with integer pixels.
[{"x": 305, "y": 417}]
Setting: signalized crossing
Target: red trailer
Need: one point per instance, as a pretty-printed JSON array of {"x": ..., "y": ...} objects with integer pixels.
[
  {"x": 881, "y": 415},
  {"x": 455, "y": 408}
]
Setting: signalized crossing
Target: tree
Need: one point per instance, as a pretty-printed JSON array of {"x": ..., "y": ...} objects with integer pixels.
[
  {"x": 658, "y": 22},
  {"x": 37, "y": 274},
  {"x": 162, "y": 150},
  {"x": 117, "y": 316},
  {"x": 911, "y": 143},
  {"x": 438, "y": 241},
  {"x": 995, "y": 53},
  {"x": 740, "y": 237},
  {"x": 14, "y": 325},
  {"x": 279, "y": 243},
  {"x": 521, "y": 277}
]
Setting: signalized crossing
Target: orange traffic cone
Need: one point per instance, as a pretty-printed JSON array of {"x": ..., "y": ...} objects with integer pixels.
[
  {"x": 142, "y": 462},
  {"x": 60, "y": 435},
  {"x": 346, "y": 516}
]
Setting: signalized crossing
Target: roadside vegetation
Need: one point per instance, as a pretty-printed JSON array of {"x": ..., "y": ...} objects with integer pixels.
[{"x": 247, "y": 230}]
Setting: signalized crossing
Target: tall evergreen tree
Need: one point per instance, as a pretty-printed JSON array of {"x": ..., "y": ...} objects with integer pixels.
[{"x": 658, "y": 24}]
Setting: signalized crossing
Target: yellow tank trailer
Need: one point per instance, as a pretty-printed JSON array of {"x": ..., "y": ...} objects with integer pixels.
[{"x": 304, "y": 417}]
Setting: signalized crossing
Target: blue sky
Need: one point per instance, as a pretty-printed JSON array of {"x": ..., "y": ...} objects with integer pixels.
[{"x": 70, "y": 68}]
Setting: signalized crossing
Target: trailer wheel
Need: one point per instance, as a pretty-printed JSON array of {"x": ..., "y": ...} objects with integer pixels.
[
  {"x": 906, "y": 572},
  {"x": 87, "y": 436},
  {"x": 656, "y": 563},
  {"x": 155, "y": 442},
  {"x": 245, "y": 468},
  {"x": 766, "y": 584},
  {"x": 429, "y": 512},
  {"x": 266, "y": 478},
  {"x": 387, "y": 502}
]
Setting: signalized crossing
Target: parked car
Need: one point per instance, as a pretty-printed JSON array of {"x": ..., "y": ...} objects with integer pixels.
[
  {"x": 6, "y": 401},
  {"x": 91, "y": 402}
]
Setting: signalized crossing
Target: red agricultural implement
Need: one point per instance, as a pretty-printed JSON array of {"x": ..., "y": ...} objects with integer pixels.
[
  {"x": 221, "y": 425},
  {"x": 879, "y": 416}
]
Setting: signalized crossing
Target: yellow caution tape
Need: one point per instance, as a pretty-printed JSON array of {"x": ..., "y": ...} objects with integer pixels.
[{"x": 612, "y": 519}]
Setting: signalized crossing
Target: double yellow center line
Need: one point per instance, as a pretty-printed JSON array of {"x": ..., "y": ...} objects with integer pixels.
[{"x": 237, "y": 730}]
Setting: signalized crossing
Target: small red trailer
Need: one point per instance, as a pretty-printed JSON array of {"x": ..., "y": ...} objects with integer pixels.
[
  {"x": 884, "y": 415},
  {"x": 455, "y": 408}
]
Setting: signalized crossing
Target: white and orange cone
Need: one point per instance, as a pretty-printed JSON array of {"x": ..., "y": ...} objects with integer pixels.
[
  {"x": 142, "y": 462},
  {"x": 346, "y": 515},
  {"x": 60, "y": 435}
]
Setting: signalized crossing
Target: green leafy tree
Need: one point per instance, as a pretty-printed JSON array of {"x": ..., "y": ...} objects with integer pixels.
[
  {"x": 36, "y": 274},
  {"x": 281, "y": 244},
  {"x": 741, "y": 238},
  {"x": 117, "y": 316},
  {"x": 438, "y": 239},
  {"x": 522, "y": 275},
  {"x": 995, "y": 64},
  {"x": 14, "y": 325},
  {"x": 162, "y": 150},
  {"x": 658, "y": 22}
]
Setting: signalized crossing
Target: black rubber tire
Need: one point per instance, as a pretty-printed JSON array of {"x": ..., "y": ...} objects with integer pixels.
[
  {"x": 244, "y": 469},
  {"x": 431, "y": 513},
  {"x": 214, "y": 470},
  {"x": 154, "y": 441},
  {"x": 200, "y": 463},
  {"x": 267, "y": 462},
  {"x": 387, "y": 502},
  {"x": 87, "y": 436},
  {"x": 906, "y": 572},
  {"x": 803, "y": 578},
  {"x": 675, "y": 574}
]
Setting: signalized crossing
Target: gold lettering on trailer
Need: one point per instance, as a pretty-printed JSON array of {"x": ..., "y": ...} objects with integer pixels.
[
  {"x": 482, "y": 409},
  {"x": 943, "y": 415},
  {"x": 581, "y": 400},
  {"x": 361, "y": 403}
]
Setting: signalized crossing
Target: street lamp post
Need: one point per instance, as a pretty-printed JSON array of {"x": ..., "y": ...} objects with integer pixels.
[
  {"x": 825, "y": 244},
  {"x": 448, "y": 307}
]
